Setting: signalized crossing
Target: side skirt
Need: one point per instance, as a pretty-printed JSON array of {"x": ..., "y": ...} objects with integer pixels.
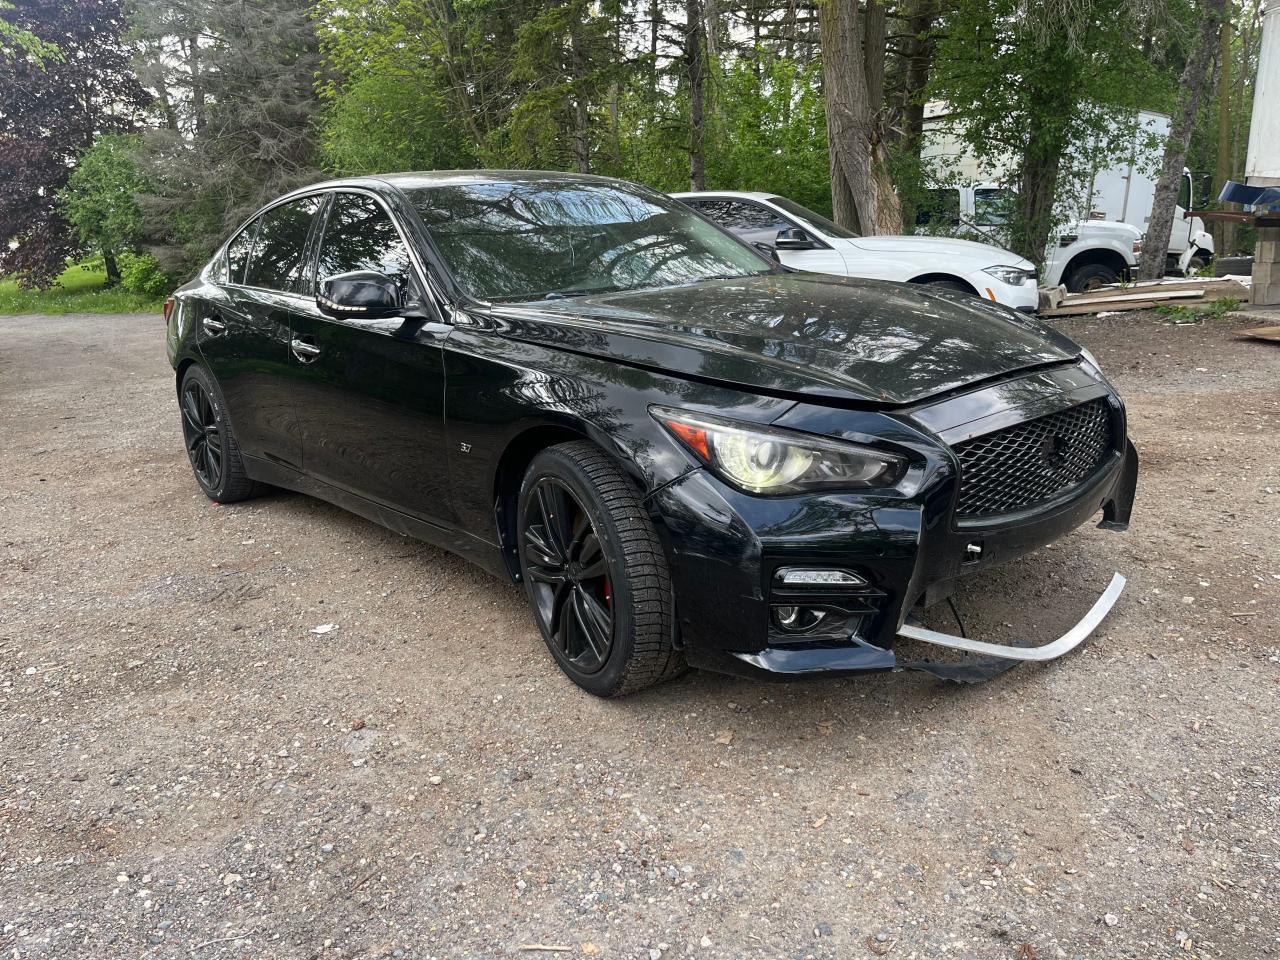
[{"x": 483, "y": 554}]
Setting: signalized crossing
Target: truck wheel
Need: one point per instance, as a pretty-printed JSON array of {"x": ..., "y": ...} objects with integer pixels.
[
  {"x": 595, "y": 572},
  {"x": 1091, "y": 276},
  {"x": 1197, "y": 265}
]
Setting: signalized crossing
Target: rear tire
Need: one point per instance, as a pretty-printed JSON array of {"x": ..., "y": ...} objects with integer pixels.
[
  {"x": 1091, "y": 276},
  {"x": 595, "y": 572},
  {"x": 210, "y": 442}
]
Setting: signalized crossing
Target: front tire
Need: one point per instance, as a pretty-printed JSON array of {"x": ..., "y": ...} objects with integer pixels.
[
  {"x": 211, "y": 443},
  {"x": 1092, "y": 276},
  {"x": 957, "y": 285},
  {"x": 595, "y": 572}
]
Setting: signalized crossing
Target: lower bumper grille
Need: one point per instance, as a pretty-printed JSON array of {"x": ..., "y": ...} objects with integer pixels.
[{"x": 1032, "y": 462}]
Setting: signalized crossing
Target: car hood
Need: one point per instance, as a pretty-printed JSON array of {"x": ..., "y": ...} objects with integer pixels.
[
  {"x": 806, "y": 334},
  {"x": 989, "y": 253},
  {"x": 1095, "y": 228}
]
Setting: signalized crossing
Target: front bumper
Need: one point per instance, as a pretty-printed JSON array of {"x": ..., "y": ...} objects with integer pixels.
[
  {"x": 725, "y": 548},
  {"x": 1024, "y": 298}
]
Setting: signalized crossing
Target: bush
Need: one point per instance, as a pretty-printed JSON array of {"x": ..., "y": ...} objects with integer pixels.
[{"x": 139, "y": 273}]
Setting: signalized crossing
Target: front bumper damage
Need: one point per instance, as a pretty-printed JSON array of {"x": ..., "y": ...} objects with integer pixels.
[
  {"x": 990, "y": 659},
  {"x": 985, "y": 660},
  {"x": 727, "y": 551}
]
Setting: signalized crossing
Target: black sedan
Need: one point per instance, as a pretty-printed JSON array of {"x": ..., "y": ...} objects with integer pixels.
[{"x": 687, "y": 453}]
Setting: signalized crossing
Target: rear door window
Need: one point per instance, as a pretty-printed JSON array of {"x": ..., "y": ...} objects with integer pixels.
[
  {"x": 238, "y": 251},
  {"x": 360, "y": 235},
  {"x": 280, "y": 252}
]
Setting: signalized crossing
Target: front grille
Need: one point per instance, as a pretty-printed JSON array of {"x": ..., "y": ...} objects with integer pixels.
[{"x": 1031, "y": 462}]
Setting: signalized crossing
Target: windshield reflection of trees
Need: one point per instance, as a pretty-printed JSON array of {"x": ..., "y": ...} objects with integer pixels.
[{"x": 525, "y": 240}]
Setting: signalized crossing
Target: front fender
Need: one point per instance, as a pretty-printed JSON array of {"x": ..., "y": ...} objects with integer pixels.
[{"x": 500, "y": 388}]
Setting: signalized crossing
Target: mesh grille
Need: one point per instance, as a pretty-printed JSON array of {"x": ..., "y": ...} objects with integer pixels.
[{"x": 1031, "y": 462}]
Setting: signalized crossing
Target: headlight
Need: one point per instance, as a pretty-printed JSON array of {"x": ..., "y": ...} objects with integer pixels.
[
  {"x": 1137, "y": 245},
  {"x": 1013, "y": 276},
  {"x": 764, "y": 460},
  {"x": 1091, "y": 360}
]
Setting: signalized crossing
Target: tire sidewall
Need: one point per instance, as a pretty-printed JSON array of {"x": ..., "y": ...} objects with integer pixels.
[
  {"x": 202, "y": 377},
  {"x": 1082, "y": 277},
  {"x": 556, "y": 465}
]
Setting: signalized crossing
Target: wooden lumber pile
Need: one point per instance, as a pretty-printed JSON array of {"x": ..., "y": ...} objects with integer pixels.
[{"x": 1142, "y": 296}]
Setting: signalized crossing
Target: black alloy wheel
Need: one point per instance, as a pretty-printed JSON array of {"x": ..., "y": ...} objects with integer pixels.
[
  {"x": 200, "y": 430},
  {"x": 211, "y": 443},
  {"x": 568, "y": 575},
  {"x": 595, "y": 572}
]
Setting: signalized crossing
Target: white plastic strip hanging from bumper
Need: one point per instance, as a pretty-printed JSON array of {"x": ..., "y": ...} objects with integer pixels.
[{"x": 1050, "y": 651}]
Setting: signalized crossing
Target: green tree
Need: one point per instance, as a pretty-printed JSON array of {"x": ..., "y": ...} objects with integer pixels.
[
  {"x": 100, "y": 199},
  {"x": 51, "y": 110},
  {"x": 243, "y": 129},
  {"x": 15, "y": 41},
  {"x": 1028, "y": 80}
]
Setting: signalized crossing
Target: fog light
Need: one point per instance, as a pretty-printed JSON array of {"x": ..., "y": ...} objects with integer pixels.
[
  {"x": 797, "y": 619},
  {"x": 800, "y": 577}
]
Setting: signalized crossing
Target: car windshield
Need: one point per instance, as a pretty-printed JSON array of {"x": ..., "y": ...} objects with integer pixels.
[
  {"x": 532, "y": 240},
  {"x": 823, "y": 225}
]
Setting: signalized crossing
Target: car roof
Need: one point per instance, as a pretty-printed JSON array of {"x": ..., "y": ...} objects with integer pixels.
[
  {"x": 415, "y": 180},
  {"x": 732, "y": 194}
]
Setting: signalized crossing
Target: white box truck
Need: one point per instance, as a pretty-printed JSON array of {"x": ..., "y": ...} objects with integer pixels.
[{"x": 1103, "y": 217}]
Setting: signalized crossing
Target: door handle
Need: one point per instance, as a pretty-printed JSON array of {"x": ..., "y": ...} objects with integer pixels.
[
  {"x": 213, "y": 327},
  {"x": 306, "y": 352}
]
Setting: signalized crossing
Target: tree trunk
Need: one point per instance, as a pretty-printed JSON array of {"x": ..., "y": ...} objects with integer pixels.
[
  {"x": 1051, "y": 92},
  {"x": 581, "y": 109},
  {"x": 694, "y": 64},
  {"x": 1226, "y": 232},
  {"x": 918, "y": 53},
  {"x": 852, "y": 70},
  {"x": 113, "y": 268},
  {"x": 655, "y": 21},
  {"x": 1195, "y": 78},
  {"x": 197, "y": 86}
]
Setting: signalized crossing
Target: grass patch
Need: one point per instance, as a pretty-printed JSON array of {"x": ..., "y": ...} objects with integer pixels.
[
  {"x": 1195, "y": 312},
  {"x": 80, "y": 289}
]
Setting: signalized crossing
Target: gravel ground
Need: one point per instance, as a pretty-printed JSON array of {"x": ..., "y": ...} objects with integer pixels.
[{"x": 187, "y": 770}]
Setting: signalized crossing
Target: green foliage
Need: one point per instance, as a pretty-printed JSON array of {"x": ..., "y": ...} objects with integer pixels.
[
  {"x": 1036, "y": 89},
  {"x": 140, "y": 274},
  {"x": 235, "y": 116},
  {"x": 771, "y": 134},
  {"x": 389, "y": 122},
  {"x": 15, "y": 41},
  {"x": 1196, "y": 312},
  {"x": 100, "y": 199},
  {"x": 80, "y": 289}
]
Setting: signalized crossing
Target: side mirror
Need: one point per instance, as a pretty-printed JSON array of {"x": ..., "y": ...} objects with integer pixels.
[
  {"x": 362, "y": 293},
  {"x": 767, "y": 250},
  {"x": 793, "y": 238}
]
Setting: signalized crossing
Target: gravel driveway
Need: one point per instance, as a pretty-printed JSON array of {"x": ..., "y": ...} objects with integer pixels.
[{"x": 187, "y": 769}]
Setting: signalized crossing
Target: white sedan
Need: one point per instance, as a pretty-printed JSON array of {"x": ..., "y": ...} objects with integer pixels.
[{"x": 806, "y": 240}]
